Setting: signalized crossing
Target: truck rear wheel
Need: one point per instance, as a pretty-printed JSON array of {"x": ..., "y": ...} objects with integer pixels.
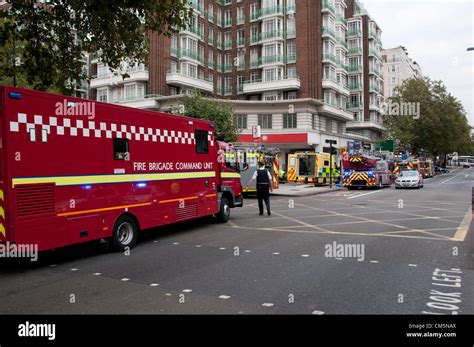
[
  {"x": 125, "y": 233},
  {"x": 224, "y": 211}
]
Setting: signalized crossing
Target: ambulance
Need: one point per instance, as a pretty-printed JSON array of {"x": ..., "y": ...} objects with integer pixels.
[{"x": 312, "y": 167}]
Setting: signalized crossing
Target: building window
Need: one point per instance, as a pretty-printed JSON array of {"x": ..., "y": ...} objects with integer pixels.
[
  {"x": 240, "y": 121},
  {"x": 265, "y": 121},
  {"x": 102, "y": 95},
  {"x": 121, "y": 151},
  {"x": 201, "y": 141},
  {"x": 290, "y": 121}
]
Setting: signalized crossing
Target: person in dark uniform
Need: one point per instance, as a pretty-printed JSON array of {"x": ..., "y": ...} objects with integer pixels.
[{"x": 264, "y": 186}]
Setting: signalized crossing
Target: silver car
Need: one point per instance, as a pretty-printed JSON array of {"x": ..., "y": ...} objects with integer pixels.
[{"x": 409, "y": 179}]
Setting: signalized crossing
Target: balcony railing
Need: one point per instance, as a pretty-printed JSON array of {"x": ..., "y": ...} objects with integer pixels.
[
  {"x": 272, "y": 59},
  {"x": 355, "y": 32},
  {"x": 375, "y": 89},
  {"x": 328, "y": 31},
  {"x": 280, "y": 78},
  {"x": 354, "y": 86},
  {"x": 271, "y": 10},
  {"x": 354, "y": 50},
  {"x": 186, "y": 53},
  {"x": 352, "y": 105},
  {"x": 329, "y": 56},
  {"x": 240, "y": 20},
  {"x": 355, "y": 68},
  {"x": 196, "y": 77},
  {"x": 327, "y": 6}
]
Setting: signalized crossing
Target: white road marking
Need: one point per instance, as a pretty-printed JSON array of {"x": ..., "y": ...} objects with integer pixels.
[
  {"x": 175, "y": 243},
  {"x": 359, "y": 195},
  {"x": 125, "y": 279},
  {"x": 449, "y": 179},
  {"x": 187, "y": 290},
  {"x": 338, "y": 258},
  {"x": 198, "y": 246},
  {"x": 247, "y": 251},
  {"x": 276, "y": 253},
  {"x": 222, "y": 248},
  {"x": 412, "y": 265},
  {"x": 154, "y": 285},
  {"x": 267, "y": 304},
  {"x": 305, "y": 255},
  {"x": 96, "y": 274},
  {"x": 374, "y": 261},
  {"x": 52, "y": 265},
  {"x": 155, "y": 241},
  {"x": 74, "y": 269},
  {"x": 168, "y": 294},
  {"x": 318, "y": 312},
  {"x": 464, "y": 227},
  {"x": 224, "y": 297}
]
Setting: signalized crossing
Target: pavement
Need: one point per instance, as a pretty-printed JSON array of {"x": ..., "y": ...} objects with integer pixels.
[
  {"x": 412, "y": 253},
  {"x": 292, "y": 189}
]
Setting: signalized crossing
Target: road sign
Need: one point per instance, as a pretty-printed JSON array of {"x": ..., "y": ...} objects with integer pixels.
[{"x": 343, "y": 150}]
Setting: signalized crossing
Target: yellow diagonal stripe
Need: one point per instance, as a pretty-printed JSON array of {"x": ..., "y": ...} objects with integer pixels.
[
  {"x": 2, "y": 231},
  {"x": 2, "y": 212},
  {"x": 1, "y": 194}
]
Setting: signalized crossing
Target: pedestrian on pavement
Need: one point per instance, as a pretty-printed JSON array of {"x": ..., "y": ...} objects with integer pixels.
[{"x": 264, "y": 186}]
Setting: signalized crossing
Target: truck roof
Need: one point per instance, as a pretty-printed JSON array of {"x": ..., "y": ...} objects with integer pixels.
[{"x": 31, "y": 92}]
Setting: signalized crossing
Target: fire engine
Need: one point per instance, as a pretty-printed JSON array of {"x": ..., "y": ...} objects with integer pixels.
[
  {"x": 68, "y": 178},
  {"x": 246, "y": 159},
  {"x": 312, "y": 167},
  {"x": 365, "y": 171},
  {"x": 424, "y": 167}
]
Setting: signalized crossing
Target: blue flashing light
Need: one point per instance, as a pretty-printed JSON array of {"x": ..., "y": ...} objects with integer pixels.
[
  {"x": 370, "y": 173},
  {"x": 87, "y": 186},
  {"x": 141, "y": 185},
  {"x": 14, "y": 95}
]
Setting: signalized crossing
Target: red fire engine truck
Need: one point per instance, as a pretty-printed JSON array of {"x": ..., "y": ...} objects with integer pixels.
[
  {"x": 69, "y": 175},
  {"x": 365, "y": 171}
]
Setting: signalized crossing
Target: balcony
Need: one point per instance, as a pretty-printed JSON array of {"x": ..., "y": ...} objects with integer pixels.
[
  {"x": 194, "y": 31},
  {"x": 354, "y": 105},
  {"x": 196, "y": 6},
  {"x": 329, "y": 58},
  {"x": 362, "y": 125},
  {"x": 136, "y": 74},
  {"x": 176, "y": 78},
  {"x": 375, "y": 89},
  {"x": 374, "y": 53},
  {"x": 328, "y": 32},
  {"x": 272, "y": 60},
  {"x": 356, "y": 32},
  {"x": 272, "y": 35},
  {"x": 137, "y": 101},
  {"x": 188, "y": 54},
  {"x": 355, "y": 69},
  {"x": 240, "y": 20},
  {"x": 327, "y": 7},
  {"x": 331, "y": 83},
  {"x": 332, "y": 109},
  {"x": 341, "y": 19},
  {"x": 355, "y": 86},
  {"x": 354, "y": 51},
  {"x": 259, "y": 86},
  {"x": 271, "y": 11}
]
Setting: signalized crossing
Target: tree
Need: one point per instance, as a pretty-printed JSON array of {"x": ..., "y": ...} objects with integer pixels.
[
  {"x": 441, "y": 127},
  {"x": 221, "y": 113},
  {"x": 55, "y": 35}
]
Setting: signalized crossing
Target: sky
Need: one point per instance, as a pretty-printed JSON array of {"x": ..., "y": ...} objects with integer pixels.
[{"x": 436, "y": 34}]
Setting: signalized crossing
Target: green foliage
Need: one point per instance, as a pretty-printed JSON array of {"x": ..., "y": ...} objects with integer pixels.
[
  {"x": 442, "y": 126},
  {"x": 53, "y": 37},
  {"x": 220, "y": 113}
]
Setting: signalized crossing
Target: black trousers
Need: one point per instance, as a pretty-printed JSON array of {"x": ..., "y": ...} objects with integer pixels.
[{"x": 263, "y": 194}]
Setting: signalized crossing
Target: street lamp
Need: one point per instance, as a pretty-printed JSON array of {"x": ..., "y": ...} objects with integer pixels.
[{"x": 331, "y": 142}]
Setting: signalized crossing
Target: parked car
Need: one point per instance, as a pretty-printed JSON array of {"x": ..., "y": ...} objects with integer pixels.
[{"x": 409, "y": 179}]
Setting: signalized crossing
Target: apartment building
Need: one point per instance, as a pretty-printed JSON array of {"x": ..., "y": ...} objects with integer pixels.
[
  {"x": 398, "y": 68},
  {"x": 365, "y": 69},
  {"x": 287, "y": 66}
]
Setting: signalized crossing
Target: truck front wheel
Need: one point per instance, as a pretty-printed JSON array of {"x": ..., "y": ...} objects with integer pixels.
[{"x": 224, "y": 211}]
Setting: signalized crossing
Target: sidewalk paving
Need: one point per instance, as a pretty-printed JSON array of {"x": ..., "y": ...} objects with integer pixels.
[{"x": 289, "y": 189}]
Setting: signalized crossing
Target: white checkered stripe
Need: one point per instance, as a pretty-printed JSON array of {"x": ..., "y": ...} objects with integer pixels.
[{"x": 88, "y": 128}]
